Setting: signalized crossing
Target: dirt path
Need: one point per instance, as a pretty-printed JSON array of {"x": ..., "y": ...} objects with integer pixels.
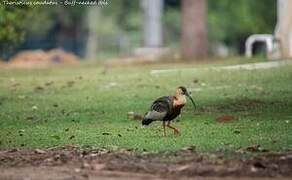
[
  {"x": 70, "y": 163},
  {"x": 65, "y": 173},
  {"x": 68, "y": 173},
  {"x": 249, "y": 66}
]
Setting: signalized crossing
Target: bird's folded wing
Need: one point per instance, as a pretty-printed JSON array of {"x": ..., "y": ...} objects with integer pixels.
[
  {"x": 162, "y": 104},
  {"x": 159, "y": 108}
]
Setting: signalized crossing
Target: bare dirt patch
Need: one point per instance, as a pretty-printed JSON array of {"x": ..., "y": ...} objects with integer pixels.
[
  {"x": 241, "y": 105},
  {"x": 226, "y": 118},
  {"x": 71, "y": 162}
]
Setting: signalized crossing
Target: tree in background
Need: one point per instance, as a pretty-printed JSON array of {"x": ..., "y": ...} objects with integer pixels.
[
  {"x": 153, "y": 10},
  {"x": 23, "y": 22},
  {"x": 115, "y": 29},
  {"x": 194, "y": 29},
  {"x": 92, "y": 41},
  {"x": 13, "y": 23},
  {"x": 119, "y": 26},
  {"x": 284, "y": 27},
  {"x": 231, "y": 22}
]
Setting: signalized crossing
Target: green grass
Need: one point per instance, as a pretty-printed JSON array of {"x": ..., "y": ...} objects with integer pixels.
[{"x": 98, "y": 103}]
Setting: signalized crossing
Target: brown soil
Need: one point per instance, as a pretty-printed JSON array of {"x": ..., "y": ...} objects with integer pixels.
[
  {"x": 226, "y": 118},
  {"x": 241, "y": 105},
  {"x": 71, "y": 162}
]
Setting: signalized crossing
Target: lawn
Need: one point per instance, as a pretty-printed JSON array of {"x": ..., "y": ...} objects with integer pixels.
[{"x": 85, "y": 106}]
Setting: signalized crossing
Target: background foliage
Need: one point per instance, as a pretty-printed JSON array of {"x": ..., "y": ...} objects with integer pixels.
[{"x": 229, "y": 22}]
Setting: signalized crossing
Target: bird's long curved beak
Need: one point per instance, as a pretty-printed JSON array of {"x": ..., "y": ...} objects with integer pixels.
[{"x": 190, "y": 97}]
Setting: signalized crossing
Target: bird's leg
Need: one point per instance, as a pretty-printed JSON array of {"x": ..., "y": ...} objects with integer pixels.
[
  {"x": 164, "y": 132},
  {"x": 175, "y": 131}
]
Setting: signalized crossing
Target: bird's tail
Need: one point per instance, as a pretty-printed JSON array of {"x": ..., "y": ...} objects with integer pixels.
[{"x": 146, "y": 121}]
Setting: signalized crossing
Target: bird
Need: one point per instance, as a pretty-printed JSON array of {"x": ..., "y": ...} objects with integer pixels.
[{"x": 167, "y": 108}]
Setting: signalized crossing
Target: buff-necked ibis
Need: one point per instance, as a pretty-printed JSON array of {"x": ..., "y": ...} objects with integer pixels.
[{"x": 167, "y": 108}]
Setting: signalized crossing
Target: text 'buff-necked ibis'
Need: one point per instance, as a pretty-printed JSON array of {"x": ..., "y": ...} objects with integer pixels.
[{"x": 167, "y": 108}]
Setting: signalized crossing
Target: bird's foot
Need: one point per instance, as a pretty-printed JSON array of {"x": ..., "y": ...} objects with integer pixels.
[{"x": 176, "y": 132}]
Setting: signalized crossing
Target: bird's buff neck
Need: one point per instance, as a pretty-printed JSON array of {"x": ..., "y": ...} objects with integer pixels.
[{"x": 179, "y": 100}]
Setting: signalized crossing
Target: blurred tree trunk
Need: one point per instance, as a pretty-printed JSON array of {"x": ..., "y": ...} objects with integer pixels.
[
  {"x": 152, "y": 23},
  {"x": 284, "y": 27},
  {"x": 92, "y": 40},
  {"x": 194, "y": 29}
]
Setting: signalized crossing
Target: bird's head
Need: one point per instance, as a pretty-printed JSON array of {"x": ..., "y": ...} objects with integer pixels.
[{"x": 182, "y": 91}]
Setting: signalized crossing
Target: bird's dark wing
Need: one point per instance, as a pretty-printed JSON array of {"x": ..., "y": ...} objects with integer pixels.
[
  {"x": 159, "y": 108},
  {"x": 162, "y": 104}
]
